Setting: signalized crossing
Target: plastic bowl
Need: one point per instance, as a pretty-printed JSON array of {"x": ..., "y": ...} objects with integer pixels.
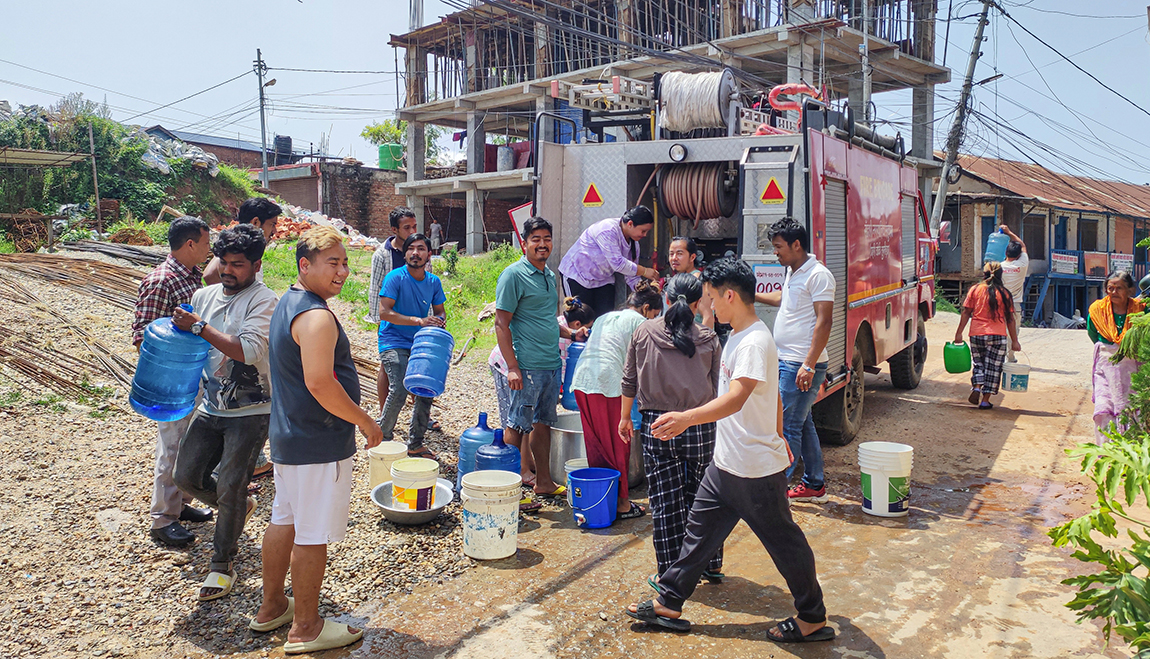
[{"x": 381, "y": 496}]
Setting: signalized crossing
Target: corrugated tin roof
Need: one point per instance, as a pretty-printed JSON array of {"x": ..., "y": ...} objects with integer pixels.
[
  {"x": 1063, "y": 191},
  {"x": 38, "y": 158}
]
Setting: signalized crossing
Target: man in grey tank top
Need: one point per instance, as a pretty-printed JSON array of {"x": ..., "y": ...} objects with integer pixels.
[{"x": 312, "y": 434}]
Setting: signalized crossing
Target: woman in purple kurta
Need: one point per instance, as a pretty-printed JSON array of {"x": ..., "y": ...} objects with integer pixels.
[{"x": 607, "y": 247}]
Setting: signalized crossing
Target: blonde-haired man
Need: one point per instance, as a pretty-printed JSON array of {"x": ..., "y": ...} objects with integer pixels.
[{"x": 312, "y": 433}]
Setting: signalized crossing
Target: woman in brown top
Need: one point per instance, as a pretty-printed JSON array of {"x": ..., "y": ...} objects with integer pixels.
[{"x": 672, "y": 366}]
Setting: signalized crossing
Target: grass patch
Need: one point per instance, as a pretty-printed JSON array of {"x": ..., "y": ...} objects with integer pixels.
[
  {"x": 53, "y": 403},
  {"x": 10, "y": 397},
  {"x": 157, "y": 231},
  {"x": 469, "y": 289},
  {"x": 942, "y": 303}
]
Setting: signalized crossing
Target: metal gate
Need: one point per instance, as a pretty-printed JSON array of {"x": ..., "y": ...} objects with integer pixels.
[{"x": 835, "y": 259}]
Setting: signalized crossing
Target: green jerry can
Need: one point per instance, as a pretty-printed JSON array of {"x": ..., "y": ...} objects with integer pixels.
[{"x": 956, "y": 356}]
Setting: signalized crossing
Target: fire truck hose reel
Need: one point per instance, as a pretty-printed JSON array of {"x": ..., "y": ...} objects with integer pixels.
[
  {"x": 696, "y": 100},
  {"x": 697, "y": 191}
]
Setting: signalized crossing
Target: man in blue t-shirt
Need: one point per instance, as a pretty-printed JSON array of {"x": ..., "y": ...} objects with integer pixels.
[{"x": 411, "y": 298}]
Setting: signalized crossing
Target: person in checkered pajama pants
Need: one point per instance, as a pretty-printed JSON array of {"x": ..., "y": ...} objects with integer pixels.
[{"x": 674, "y": 469}]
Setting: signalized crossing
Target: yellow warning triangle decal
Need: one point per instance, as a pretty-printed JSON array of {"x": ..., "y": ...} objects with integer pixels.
[
  {"x": 773, "y": 194},
  {"x": 592, "y": 196}
]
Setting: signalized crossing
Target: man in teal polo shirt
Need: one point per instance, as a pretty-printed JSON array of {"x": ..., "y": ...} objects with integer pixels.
[{"x": 526, "y": 306}]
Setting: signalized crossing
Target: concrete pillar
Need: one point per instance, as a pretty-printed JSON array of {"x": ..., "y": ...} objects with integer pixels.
[
  {"x": 416, "y": 164},
  {"x": 476, "y": 142},
  {"x": 800, "y": 67},
  {"x": 855, "y": 95},
  {"x": 475, "y": 235},
  {"x": 547, "y": 126}
]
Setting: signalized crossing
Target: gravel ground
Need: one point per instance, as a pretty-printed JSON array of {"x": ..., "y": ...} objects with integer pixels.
[{"x": 79, "y": 576}]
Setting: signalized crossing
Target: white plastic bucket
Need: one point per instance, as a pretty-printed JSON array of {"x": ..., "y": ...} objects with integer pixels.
[
  {"x": 490, "y": 513},
  {"x": 380, "y": 459},
  {"x": 570, "y": 466},
  {"x": 413, "y": 483},
  {"x": 885, "y": 468},
  {"x": 1016, "y": 376}
]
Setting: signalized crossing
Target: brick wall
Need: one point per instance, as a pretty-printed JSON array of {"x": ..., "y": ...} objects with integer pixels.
[
  {"x": 233, "y": 157},
  {"x": 303, "y": 192},
  {"x": 361, "y": 196}
]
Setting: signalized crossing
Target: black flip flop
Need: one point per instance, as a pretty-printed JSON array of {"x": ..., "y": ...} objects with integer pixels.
[
  {"x": 791, "y": 634},
  {"x": 975, "y": 394},
  {"x": 986, "y": 406},
  {"x": 713, "y": 577},
  {"x": 646, "y": 613},
  {"x": 422, "y": 452},
  {"x": 635, "y": 512}
]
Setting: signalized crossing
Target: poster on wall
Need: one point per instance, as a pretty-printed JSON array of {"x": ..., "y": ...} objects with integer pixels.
[
  {"x": 1065, "y": 264},
  {"x": 1096, "y": 264},
  {"x": 1121, "y": 262}
]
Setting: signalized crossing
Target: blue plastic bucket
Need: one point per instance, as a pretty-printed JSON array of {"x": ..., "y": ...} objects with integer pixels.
[
  {"x": 430, "y": 358},
  {"x": 594, "y": 496}
]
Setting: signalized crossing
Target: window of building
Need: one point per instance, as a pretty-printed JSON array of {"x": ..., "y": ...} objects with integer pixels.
[
  {"x": 1034, "y": 235},
  {"x": 1088, "y": 235}
]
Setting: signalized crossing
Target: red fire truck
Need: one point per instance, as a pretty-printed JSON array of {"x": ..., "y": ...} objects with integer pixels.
[{"x": 852, "y": 189}]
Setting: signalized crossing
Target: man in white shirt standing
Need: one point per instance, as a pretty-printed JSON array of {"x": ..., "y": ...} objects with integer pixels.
[
  {"x": 746, "y": 478},
  {"x": 806, "y": 304},
  {"x": 1014, "y": 270}
]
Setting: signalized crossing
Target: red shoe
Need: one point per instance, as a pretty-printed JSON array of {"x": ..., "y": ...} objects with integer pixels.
[{"x": 801, "y": 492}]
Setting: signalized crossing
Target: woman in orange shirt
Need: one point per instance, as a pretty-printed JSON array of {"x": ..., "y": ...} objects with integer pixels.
[{"x": 989, "y": 308}]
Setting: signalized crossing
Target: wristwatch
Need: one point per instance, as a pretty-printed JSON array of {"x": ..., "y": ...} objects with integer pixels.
[
  {"x": 198, "y": 327},
  {"x": 806, "y": 368}
]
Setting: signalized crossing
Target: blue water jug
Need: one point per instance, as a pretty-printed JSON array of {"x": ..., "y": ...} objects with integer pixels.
[
  {"x": 469, "y": 442},
  {"x": 497, "y": 455},
  {"x": 996, "y": 246},
  {"x": 574, "y": 351},
  {"x": 636, "y": 416},
  {"x": 430, "y": 358},
  {"x": 168, "y": 373}
]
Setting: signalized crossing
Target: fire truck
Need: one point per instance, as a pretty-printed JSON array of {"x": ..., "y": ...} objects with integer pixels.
[{"x": 852, "y": 188}]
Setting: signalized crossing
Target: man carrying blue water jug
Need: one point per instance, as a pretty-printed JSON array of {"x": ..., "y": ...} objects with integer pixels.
[
  {"x": 411, "y": 298},
  {"x": 229, "y": 428},
  {"x": 161, "y": 292}
]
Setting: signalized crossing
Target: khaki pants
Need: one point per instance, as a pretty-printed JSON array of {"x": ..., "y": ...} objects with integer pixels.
[{"x": 167, "y": 499}]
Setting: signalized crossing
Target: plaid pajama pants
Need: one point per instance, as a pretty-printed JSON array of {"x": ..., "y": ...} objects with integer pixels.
[
  {"x": 987, "y": 352},
  {"x": 674, "y": 469}
]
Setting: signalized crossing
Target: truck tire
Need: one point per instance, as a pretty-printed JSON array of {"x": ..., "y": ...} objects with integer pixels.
[
  {"x": 838, "y": 417},
  {"x": 906, "y": 365}
]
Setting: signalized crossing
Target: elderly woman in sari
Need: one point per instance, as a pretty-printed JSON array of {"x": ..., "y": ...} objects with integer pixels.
[{"x": 1106, "y": 324}]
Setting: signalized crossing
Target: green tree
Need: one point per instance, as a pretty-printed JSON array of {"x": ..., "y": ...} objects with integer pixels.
[{"x": 395, "y": 132}]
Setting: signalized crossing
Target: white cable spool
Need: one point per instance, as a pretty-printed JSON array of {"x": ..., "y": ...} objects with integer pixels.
[{"x": 695, "y": 100}]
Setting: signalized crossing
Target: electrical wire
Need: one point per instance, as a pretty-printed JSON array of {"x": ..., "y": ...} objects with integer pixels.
[
  {"x": 280, "y": 68},
  {"x": 203, "y": 91},
  {"x": 1073, "y": 63}
]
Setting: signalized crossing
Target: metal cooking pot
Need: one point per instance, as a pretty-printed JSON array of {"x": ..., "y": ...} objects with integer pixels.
[{"x": 567, "y": 444}]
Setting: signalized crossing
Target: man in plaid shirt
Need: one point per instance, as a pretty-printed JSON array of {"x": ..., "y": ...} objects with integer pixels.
[{"x": 161, "y": 292}]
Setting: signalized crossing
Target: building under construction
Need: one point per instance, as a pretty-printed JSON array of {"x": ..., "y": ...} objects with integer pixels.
[{"x": 492, "y": 66}]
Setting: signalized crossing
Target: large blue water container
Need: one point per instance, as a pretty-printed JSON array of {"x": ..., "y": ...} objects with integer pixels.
[
  {"x": 497, "y": 455},
  {"x": 430, "y": 358},
  {"x": 574, "y": 351},
  {"x": 168, "y": 373},
  {"x": 996, "y": 246},
  {"x": 469, "y": 442}
]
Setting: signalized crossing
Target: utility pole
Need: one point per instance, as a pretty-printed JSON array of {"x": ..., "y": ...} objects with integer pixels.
[
  {"x": 864, "y": 53},
  {"x": 955, "y": 136},
  {"x": 262, "y": 68},
  {"x": 95, "y": 182}
]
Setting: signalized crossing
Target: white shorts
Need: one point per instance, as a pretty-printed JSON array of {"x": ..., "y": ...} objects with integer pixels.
[{"x": 314, "y": 499}]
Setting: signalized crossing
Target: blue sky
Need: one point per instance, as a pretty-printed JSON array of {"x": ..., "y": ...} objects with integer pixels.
[{"x": 147, "y": 54}]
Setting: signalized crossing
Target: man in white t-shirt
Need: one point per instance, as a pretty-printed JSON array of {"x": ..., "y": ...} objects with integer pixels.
[
  {"x": 1014, "y": 269},
  {"x": 806, "y": 305},
  {"x": 747, "y": 477}
]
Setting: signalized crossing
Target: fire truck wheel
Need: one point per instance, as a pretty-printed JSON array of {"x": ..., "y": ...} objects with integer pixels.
[
  {"x": 838, "y": 417},
  {"x": 906, "y": 365}
]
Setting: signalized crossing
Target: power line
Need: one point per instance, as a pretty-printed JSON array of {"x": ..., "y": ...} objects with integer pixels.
[
  {"x": 203, "y": 91},
  {"x": 1068, "y": 13},
  {"x": 277, "y": 68},
  {"x": 1072, "y": 63}
]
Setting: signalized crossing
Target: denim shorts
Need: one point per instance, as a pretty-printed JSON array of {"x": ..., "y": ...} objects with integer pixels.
[{"x": 536, "y": 401}]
